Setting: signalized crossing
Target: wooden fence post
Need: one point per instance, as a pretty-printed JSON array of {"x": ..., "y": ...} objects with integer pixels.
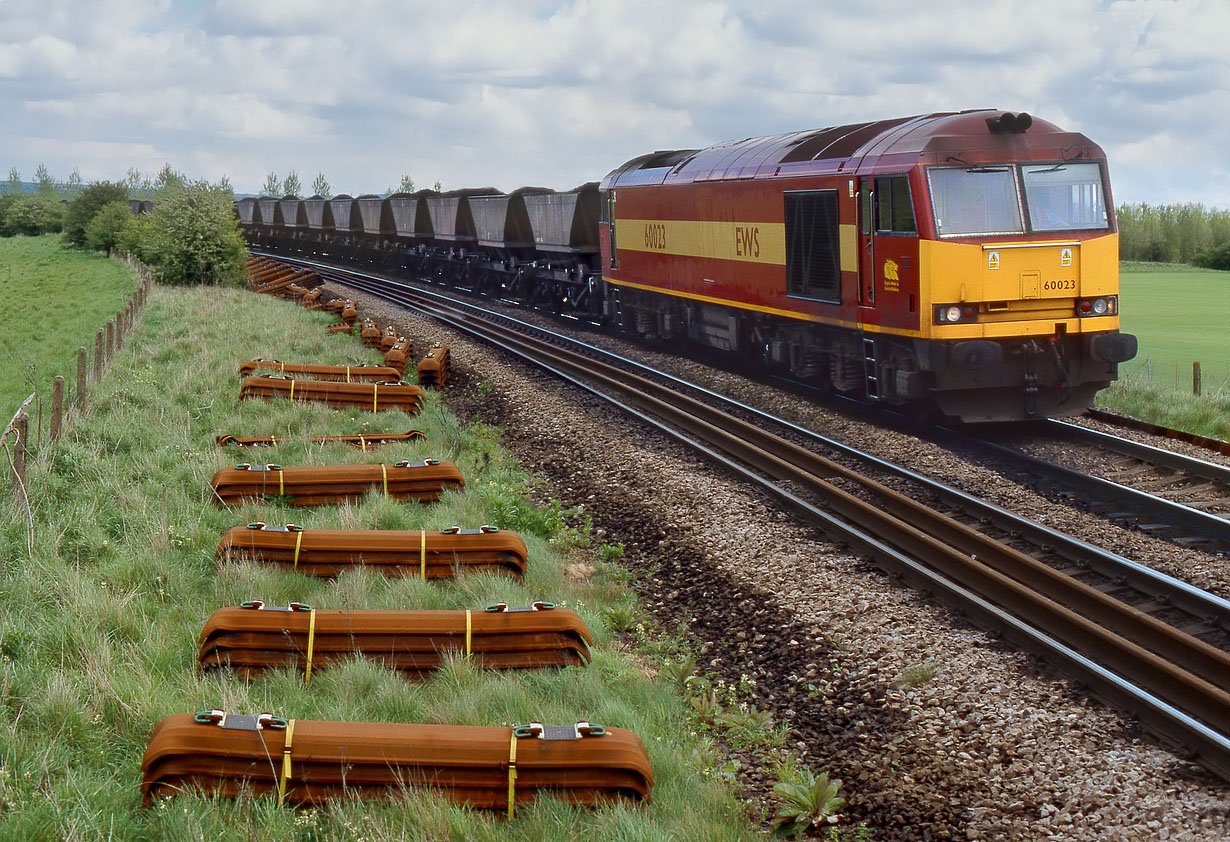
[
  {"x": 98, "y": 355},
  {"x": 20, "y": 453},
  {"x": 57, "y": 409},
  {"x": 110, "y": 339},
  {"x": 79, "y": 398},
  {"x": 119, "y": 330},
  {"x": 1196, "y": 378}
]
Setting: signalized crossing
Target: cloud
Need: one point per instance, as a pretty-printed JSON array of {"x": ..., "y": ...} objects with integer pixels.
[{"x": 513, "y": 92}]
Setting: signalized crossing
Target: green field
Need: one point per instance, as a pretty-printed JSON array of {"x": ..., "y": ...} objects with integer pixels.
[
  {"x": 52, "y": 300},
  {"x": 107, "y": 584},
  {"x": 1181, "y": 315}
]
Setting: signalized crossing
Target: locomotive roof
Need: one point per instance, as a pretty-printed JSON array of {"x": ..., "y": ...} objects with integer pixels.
[{"x": 844, "y": 147}]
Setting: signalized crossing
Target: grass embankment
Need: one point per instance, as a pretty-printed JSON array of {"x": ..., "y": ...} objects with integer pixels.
[
  {"x": 52, "y": 301},
  {"x": 106, "y": 587},
  {"x": 1179, "y": 313}
]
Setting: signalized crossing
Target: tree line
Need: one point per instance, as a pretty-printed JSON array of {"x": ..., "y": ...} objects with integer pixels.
[
  {"x": 191, "y": 236},
  {"x": 292, "y": 187},
  {"x": 1176, "y": 233}
]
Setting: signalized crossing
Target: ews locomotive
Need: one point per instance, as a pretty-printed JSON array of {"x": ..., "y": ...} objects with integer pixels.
[{"x": 968, "y": 261}]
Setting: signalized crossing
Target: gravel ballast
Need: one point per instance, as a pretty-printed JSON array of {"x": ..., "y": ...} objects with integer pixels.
[{"x": 992, "y": 746}]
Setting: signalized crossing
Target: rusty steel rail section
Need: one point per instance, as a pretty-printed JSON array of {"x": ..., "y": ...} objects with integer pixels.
[
  {"x": 1178, "y": 686},
  {"x": 1173, "y": 521},
  {"x": 310, "y": 762},
  {"x": 360, "y": 440},
  {"x": 254, "y": 637},
  {"x": 1117, "y": 420}
]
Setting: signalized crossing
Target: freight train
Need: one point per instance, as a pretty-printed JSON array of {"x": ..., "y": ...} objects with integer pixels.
[{"x": 966, "y": 262}]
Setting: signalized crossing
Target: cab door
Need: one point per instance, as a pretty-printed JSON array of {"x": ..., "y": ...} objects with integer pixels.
[{"x": 866, "y": 244}]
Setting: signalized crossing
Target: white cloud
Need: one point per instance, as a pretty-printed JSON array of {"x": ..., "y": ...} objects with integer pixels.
[{"x": 513, "y": 92}]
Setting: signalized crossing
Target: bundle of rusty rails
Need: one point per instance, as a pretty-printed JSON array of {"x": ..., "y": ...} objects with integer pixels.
[
  {"x": 274, "y": 278},
  {"x": 426, "y": 554},
  {"x": 309, "y": 762},
  {"x": 433, "y": 368},
  {"x": 345, "y": 373},
  {"x": 388, "y": 338},
  {"x": 400, "y": 351},
  {"x": 423, "y": 481},
  {"x": 255, "y": 637},
  {"x": 364, "y": 441},
  {"x": 336, "y": 393},
  {"x": 370, "y": 334}
]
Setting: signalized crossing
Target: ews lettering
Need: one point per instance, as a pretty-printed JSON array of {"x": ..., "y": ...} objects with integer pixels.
[{"x": 747, "y": 241}]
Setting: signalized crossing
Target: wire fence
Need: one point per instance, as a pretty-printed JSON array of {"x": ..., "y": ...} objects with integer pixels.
[
  {"x": 70, "y": 398},
  {"x": 1209, "y": 378}
]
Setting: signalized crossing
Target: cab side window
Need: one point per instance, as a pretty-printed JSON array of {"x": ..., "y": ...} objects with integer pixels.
[{"x": 894, "y": 210}]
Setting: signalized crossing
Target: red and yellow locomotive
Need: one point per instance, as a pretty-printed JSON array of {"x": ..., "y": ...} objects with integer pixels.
[{"x": 967, "y": 260}]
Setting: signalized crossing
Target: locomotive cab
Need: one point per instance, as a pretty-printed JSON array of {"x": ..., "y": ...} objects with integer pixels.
[
  {"x": 1023, "y": 279},
  {"x": 966, "y": 260}
]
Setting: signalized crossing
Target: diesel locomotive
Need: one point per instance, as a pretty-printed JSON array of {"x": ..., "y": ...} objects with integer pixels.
[{"x": 963, "y": 261}]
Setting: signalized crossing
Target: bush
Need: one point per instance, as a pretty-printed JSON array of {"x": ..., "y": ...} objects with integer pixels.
[
  {"x": 34, "y": 215},
  {"x": 102, "y": 232},
  {"x": 192, "y": 237},
  {"x": 87, "y": 205},
  {"x": 1215, "y": 257}
]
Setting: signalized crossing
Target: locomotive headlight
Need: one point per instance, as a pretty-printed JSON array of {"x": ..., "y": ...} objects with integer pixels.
[
  {"x": 952, "y": 314},
  {"x": 1099, "y": 306}
]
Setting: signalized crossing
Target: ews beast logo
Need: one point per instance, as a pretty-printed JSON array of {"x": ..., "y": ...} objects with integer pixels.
[{"x": 747, "y": 241}]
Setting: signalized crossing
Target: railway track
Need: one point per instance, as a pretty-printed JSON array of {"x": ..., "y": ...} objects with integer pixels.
[
  {"x": 1116, "y": 420},
  {"x": 1150, "y": 645},
  {"x": 1168, "y": 495}
]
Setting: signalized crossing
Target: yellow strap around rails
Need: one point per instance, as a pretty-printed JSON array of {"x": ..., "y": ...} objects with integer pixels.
[
  {"x": 290, "y": 733},
  {"x": 292, "y": 390},
  {"x": 298, "y": 540},
  {"x": 384, "y": 472},
  {"x": 347, "y": 374},
  {"x": 423, "y": 554},
  {"x": 512, "y": 774},
  {"x": 282, "y": 484},
  {"x": 469, "y": 632},
  {"x": 375, "y": 392},
  {"x": 307, "y": 671},
  {"x": 362, "y": 444}
]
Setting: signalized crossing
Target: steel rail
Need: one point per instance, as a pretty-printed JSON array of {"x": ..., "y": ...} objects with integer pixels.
[
  {"x": 1210, "y": 531},
  {"x": 998, "y": 578},
  {"x": 1157, "y": 586},
  {"x": 1117, "y": 420},
  {"x": 1189, "y": 465}
]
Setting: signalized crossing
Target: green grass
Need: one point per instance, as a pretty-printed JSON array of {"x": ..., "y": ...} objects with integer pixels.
[
  {"x": 52, "y": 301},
  {"x": 105, "y": 587},
  {"x": 1179, "y": 313}
]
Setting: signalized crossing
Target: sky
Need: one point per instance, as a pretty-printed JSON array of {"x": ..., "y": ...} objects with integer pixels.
[{"x": 555, "y": 93}]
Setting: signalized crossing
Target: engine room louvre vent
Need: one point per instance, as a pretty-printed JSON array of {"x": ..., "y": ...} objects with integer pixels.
[
  {"x": 811, "y": 245},
  {"x": 666, "y": 159},
  {"x": 840, "y": 142}
]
